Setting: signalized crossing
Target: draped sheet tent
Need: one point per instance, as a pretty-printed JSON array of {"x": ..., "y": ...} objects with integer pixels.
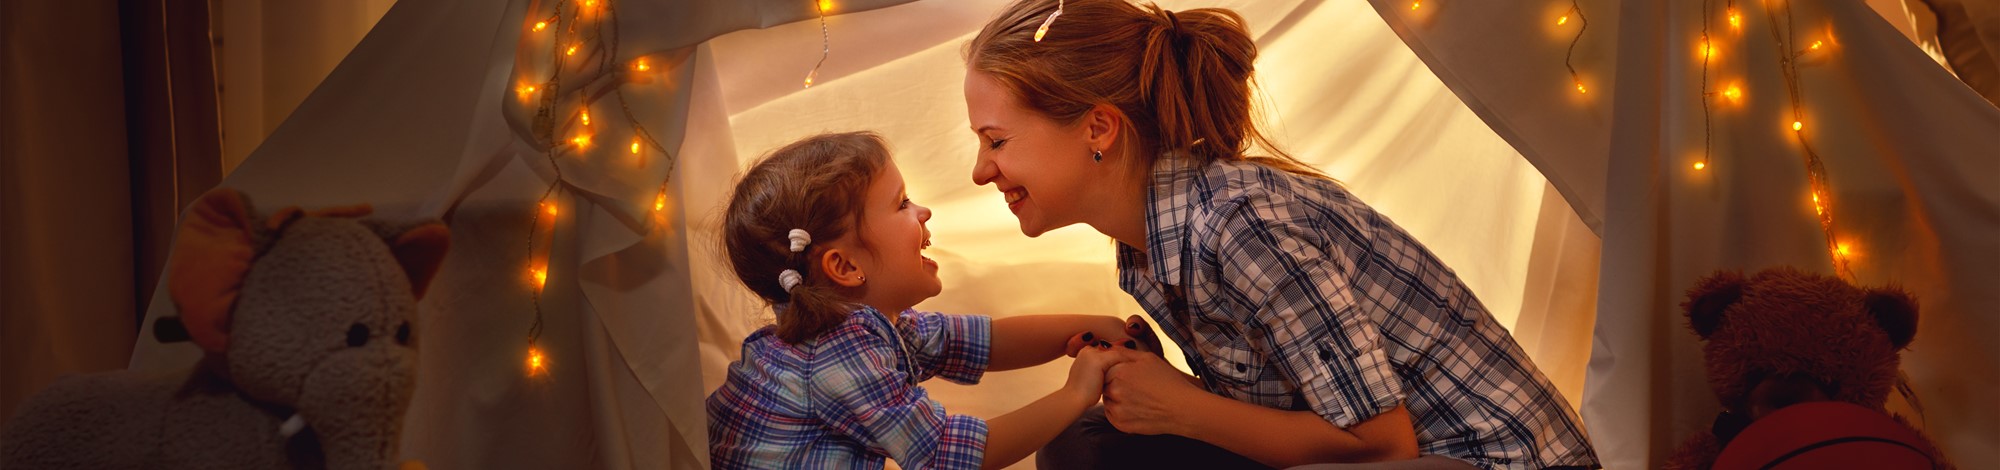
[{"x": 1456, "y": 119}]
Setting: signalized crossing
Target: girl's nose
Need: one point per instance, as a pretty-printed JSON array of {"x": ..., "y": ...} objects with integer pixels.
[{"x": 923, "y": 213}]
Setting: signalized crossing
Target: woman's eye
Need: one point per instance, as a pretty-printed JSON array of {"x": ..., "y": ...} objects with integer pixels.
[{"x": 997, "y": 143}]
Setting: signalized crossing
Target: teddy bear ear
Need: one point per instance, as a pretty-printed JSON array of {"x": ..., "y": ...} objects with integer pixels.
[
  {"x": 1709, "y": 298},
  {"x": 211, "y": 256},
  {"x": 419, "y": 247},
  {"x": 1896, "y": 310}
]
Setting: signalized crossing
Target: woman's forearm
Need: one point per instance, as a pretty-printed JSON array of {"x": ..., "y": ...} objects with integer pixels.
[
  {"x": 1032, "y": 340},
  {"x": 1011, "y": 437},
  {"x": 1289, "y": 438}
]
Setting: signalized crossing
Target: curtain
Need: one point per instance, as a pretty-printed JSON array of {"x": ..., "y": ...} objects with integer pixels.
[{"x": 109, "y": 128}]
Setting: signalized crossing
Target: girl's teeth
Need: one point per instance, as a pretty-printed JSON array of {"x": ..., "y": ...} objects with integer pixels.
[{"x": 1015, "y": 196}]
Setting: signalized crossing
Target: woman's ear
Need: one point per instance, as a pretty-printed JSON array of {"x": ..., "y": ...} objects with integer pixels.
[
  {"x": 841, "y": 268},
  {"x": 1102, "y": 126}
]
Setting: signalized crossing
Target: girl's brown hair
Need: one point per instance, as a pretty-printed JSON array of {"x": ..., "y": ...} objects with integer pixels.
[
  {"x": 818, "y": 185},
  {"x": 1182, "y": 79}
]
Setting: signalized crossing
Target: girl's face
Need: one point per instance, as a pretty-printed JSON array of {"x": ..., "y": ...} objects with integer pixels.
[
  {"x": 898, "y": 274},
  {"x": 1041, "y": 167}
]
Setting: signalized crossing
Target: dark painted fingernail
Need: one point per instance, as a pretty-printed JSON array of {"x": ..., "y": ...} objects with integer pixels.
[
  {"x": 1137, "y": 326},
  {"x": 1130, "y": 344},
  {"x": 1087, "y": 337}
]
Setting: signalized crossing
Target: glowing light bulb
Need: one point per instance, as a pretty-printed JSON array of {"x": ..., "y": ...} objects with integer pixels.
[
  {"x": 586, "y": 117},
  {"x": 1842, "y": 249},
  {"x": 810, "y": 76},
  {"x": 541, "y": 25},
  {"x": 1816, "y": 44},
  {"x": 635, "y": 146},
  {"x": 660, "y": 201},
  {"x": 641, "y": 65},
  {"x": 825, "y": 5},
  {"x": 549, "y": 208},
  {"x": 1796, "y": 126},
  {"x": 1562, "y": 20},
  {"x": 1579, "y": 88},
  {"x": 581, "y": 140},
  {"x": 572, "y": 50},
  {"x": 1735, "y": 20},
  {"x": 1414, "y": 5},
  {"x": 1700, "y": 165},
  {"x": 535, "y": 364},
  {"x": 1734, "y": 93},
  {"x": 526, "y": 92},
  {"x": 541, "y": 278}
]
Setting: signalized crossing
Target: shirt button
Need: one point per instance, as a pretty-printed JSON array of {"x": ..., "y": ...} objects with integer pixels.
[
  {"x": 1325, "y": 355},
  {"x": 1240, "y": 367}
]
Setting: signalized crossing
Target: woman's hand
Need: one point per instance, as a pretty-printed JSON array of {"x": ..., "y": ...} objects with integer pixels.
[
  {"x": 1134, "y": 334},
  {"x": 1145, "y": 395}
]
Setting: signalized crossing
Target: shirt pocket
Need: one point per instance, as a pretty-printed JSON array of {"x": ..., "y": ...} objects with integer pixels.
[{"x": 1236, "y": 368}]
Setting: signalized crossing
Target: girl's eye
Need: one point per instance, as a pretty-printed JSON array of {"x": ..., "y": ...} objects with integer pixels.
[
  {"x": 997, "y": 143},
  {"x": 905, "y": 204}
]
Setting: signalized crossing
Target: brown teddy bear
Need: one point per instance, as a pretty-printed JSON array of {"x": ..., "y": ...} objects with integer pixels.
[
  {"x": 305, "y": 320},
  {"x": 1786, "y": 337}
]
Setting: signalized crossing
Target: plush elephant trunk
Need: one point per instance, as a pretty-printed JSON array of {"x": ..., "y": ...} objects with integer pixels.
[{"x": 355, "y": 410}]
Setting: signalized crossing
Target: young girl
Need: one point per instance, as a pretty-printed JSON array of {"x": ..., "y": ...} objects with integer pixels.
[{"x": 823, "y": 230}]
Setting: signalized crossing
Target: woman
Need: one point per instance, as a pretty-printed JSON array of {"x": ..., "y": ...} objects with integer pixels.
[{"x": 1318, "y": 330}]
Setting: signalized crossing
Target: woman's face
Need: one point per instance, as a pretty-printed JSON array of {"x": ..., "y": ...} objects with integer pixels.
[{"x": 1041, "y": 167}]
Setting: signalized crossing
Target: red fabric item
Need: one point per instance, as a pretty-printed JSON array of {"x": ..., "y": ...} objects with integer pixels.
[{"x": 1826, "y": 435}]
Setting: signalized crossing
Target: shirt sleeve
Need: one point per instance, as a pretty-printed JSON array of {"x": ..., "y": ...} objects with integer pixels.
[
  {"x": 955, "y": 347},
  {"x": 1293, "y": 277},
  {"x": 859, "y": 393}
]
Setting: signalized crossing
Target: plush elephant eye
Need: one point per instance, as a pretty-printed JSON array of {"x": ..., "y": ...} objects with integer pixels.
[
  {"x": 357, "y": 335},
  {"x": 403, "y": 333}
]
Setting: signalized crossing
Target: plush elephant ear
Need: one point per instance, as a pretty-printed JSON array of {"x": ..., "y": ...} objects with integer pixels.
[
  {"x": 1709, "y": 298},
  {"x": 1896, "y": 310},
  {"x": 211, "y": 256},
  {"x": 419, "y": 247}
]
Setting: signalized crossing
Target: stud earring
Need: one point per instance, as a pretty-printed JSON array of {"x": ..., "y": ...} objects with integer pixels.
[{"x": 1097, "y": 155}]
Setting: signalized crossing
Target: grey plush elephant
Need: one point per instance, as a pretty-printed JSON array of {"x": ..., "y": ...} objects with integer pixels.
[{"x": 306, "y": 321}]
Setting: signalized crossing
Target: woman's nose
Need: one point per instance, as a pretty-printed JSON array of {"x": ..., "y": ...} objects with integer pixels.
[{"x": 983, "y": 170}]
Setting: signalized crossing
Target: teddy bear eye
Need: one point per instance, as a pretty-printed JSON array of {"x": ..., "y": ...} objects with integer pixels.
[
  {"x": 403, "y": 333},
  {"x": 357, "y": 335}
]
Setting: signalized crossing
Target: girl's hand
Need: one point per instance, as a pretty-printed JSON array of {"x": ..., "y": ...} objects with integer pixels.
[
  {"x": 1142, "y": 394},
  {"x": 1086, "y": 374}
]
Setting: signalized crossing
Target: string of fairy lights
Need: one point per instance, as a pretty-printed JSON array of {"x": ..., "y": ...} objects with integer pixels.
[
  {"x": 1784, "y": 33},
  {"x": 572, "y": 27},
  {"x": 590, "y": 28}
]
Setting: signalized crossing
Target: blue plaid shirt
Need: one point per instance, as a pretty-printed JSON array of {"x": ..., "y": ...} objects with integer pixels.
[
  {"x": 1287, "y": 292},
  {"x": 849, "y": 399}
]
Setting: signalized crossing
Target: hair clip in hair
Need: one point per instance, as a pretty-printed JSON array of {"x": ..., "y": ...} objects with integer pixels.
[
  {"x": 1044, "y": 30},
  {"x": 799, "y": 239},
  {"x": 789, "y": 279}
]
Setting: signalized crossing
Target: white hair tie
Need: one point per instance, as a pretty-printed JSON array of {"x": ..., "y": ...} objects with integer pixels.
[
  {"x": 789, "y": 279},
  {"x": 799, "y": 240}
]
